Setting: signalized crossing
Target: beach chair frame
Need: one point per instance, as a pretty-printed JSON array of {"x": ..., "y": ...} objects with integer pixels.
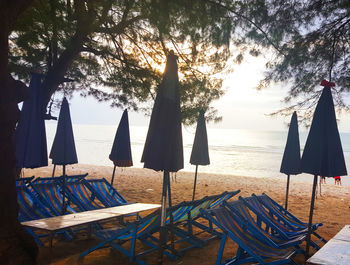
[
  {"x": 31, "y": 208},
  {"x": 248, "y": 221},
  {"x": 141, "y": 230},
  {"x": 105, "y": 192},
  {"x": 250, "y": 248}
]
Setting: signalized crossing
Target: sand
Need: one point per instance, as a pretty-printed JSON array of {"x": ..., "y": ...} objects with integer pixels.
[{"x": 143, "y": 185}]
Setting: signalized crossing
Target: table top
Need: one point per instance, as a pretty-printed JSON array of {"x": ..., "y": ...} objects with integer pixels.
[
  {"x": 336, "y": 251},
  {"x": 69, "y": 220}
]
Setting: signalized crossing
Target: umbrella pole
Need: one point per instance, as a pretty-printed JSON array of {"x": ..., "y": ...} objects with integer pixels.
[
  {"x": 64, "y": 191},
  {"x": 320, "y": 186},
  {"x": 162, "y": 232},
  {"x": 113, "y": 175},
  {"x": 54, "y": 169},
  {"x": 195, "y": 183},
  {"x": 308, "y": 238},
  {"x": 171, "y": 216},
  {"x": 287, "y": 192}
]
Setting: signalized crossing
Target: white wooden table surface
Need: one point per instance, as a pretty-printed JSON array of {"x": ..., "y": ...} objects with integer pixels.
[
  {"x": 56, "y": 223},
  {"x": 336, "y": 251}
]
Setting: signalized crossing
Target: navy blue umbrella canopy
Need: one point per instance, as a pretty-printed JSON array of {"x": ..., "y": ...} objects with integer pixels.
[
  {"x": 163, "y": 148},
  {"x": 291, "y": 156},
  {"x": 63, "y": 148},
  {"x": 323, "y": 152},
  {"x": 121, "y": 149},
  {"x": 200, "y": 153},
  {"x": 30, "y": 134}
]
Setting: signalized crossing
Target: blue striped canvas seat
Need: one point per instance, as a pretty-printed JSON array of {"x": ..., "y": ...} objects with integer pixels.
[
  {"x": 250, "y": 222},
  {"x": 50, "y": 194},
  {"x": 106, "y": 193},
  {"x": 31, "y": 208},
  {"x": 250, "y": 248}
]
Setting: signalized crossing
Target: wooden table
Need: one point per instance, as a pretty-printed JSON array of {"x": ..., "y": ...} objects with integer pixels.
[
  {"x": 54, "y": 224},
  {"x": 336, "y": 251}
]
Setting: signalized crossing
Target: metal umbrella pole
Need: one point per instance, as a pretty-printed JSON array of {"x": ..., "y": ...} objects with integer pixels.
[
  {"x": 64, "y": 191},
  {"x": 195, "y": 183},
  {"x": 308, "y": 238},
  {"x": 113, "y": 175},
  {"x": 163, "y": 231},
  {"x": 287, "y": 192},
  {"x": 54, "y": 169}
]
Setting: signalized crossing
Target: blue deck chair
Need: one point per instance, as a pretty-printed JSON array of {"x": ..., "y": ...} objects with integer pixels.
[
  {"x": 83, "y": 195},
  {"x": 274, "y": 222},
  {"x": 184, "y": 223},
  {"x": 289, "y": 218},
  {"x": 141, "y": 230},
  {"x": 108, "y": 195},
  {"x": 49, "y": 192},
  {"x": 30, "y": 208},
  {"x": 208, "y": 203},
  {"x": 247, "y": 220},
  {"x": 250, "y": 248},
  {"x": 55, "y": 179},
  {"x": 277, "y": 209}
]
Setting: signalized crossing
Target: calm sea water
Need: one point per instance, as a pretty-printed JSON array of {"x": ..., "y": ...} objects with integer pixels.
[{"x": 232, "y": 151}]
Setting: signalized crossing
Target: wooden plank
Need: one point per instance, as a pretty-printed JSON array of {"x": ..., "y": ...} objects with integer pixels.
[
  {"x": 335, "y": 252},
  {"x": 70, "y": 220},
  {"x": 130, "y": 208},
  {"x": 66, "y": 221},
  {"x": 343, "y": 234}
]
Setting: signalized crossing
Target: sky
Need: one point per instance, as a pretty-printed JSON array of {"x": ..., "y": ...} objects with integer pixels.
[{"x": 242, "y": 106}]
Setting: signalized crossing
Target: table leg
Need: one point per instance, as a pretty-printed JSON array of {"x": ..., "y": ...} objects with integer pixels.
[{"x": 51, "y": 239}]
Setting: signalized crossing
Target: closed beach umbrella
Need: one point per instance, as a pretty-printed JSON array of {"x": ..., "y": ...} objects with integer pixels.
[
  {"x": 30, "y": 134},
  {"x": 121, "y": 149},
  {"x": 323, "y": 152},
  {"x": 63, "y": 148},
  {"x": 291, "y": 156},
  {"x": 200, "y": 152},
  {"x": 163, "y": 147}
]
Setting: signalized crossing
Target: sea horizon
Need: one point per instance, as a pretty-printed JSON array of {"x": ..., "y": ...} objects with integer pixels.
[{"x": 241, "y": 152}]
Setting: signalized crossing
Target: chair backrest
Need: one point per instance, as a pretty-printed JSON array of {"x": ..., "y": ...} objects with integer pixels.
[
  {"x": 55, "y": 179},
  {"x": 251, "y": 222},
  {"x": 231, "y": 224},
  {"x": 182, "y": 211},
  {"x": 223, "y": 198},
  {"x": 30, "y": 208},
  {"x": 106, "y": 193},
  {"x": 82, "y": 196},
  {"x": 272, "y": 205},
  {"x": 147, "y": 225},
  {"x": 274, "y": 223},
  {"x": 50, "y": 195}
]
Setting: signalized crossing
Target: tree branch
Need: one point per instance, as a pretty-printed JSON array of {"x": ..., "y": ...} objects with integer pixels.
[{"x": 251, "y": 22}]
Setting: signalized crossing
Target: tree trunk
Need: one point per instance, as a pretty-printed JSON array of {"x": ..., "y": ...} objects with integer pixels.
[{"x": 16, "y": 245}]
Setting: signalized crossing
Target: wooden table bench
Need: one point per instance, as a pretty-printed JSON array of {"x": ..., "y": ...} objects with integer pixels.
[
  {"x": 336, "y": 251},
  {"x": 54, "y": 224}
]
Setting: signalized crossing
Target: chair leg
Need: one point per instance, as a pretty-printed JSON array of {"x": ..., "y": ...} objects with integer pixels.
[{"x": 221, "y": 249}]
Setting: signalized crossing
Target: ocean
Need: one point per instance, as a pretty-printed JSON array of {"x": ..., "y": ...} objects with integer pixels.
[{"x": 254, "y": 153}]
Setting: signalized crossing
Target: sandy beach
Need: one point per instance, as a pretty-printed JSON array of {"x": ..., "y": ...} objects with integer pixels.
[{"x": 143, "y": 185}]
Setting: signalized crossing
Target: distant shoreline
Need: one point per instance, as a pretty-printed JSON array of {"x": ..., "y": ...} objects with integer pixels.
[{"x": 218, "y": 179}]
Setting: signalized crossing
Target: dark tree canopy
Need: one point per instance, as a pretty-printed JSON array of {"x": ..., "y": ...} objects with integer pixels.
[
  {"x": 115, "y": 50},
  {"x": 310, "y": 42}
]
